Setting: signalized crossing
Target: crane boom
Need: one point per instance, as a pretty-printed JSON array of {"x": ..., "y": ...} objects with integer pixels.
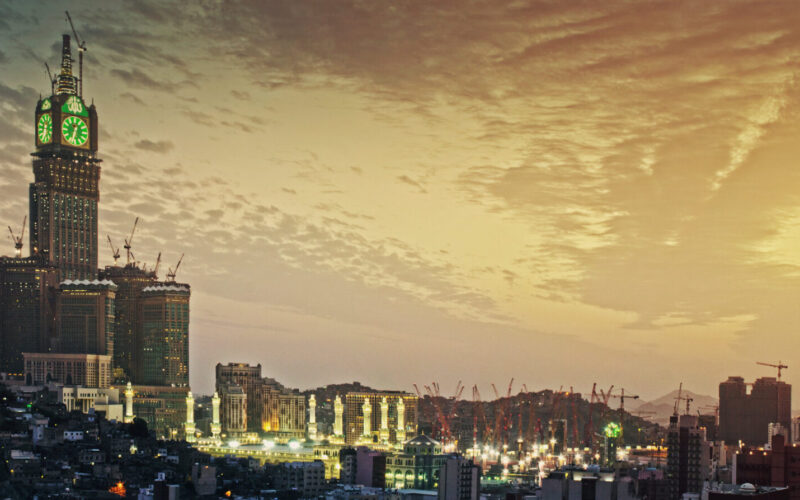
[
  {"x": 780, "y": 366},
  {"x": 81, "y": 50},
  {"x": 129, "y": 241}
]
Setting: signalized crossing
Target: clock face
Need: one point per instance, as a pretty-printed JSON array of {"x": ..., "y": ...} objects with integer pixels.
[
  {"x": 46, "y": 104},
  {"x": 73, "y": 105},
  {"x": 74, "y": 130},
  {"x": 44, "y": 128}
]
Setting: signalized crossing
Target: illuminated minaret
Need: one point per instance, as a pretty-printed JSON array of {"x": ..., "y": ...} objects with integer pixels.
[
  {"x": 312, "y": 418},
  {"x": 189, "y": 425},
  {"x": 338, "y": 412},
  {"x": 216, "y": 428},
  {"x": 128, "y": 404},
  {"x": 400, "y": 433},
  {"x": 366, "y": 411},
  {"x": 384, "y": 433}
]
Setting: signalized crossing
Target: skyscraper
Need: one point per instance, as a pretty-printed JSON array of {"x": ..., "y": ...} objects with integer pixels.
[
  {"x": 65, "y": 193},
  {"x": 164, "y": 355},
  {"x": 746, "y": 417},
  {"x": 688, "y": 456}
]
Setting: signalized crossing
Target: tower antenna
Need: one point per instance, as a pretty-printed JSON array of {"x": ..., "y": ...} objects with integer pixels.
[{"x": 81, "y": 50}]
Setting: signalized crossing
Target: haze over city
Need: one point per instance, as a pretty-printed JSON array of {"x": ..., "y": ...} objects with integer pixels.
[{"x": 564, "y": 193}]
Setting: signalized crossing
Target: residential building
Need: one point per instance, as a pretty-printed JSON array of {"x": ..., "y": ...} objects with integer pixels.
[
  {"x": 778, "y": 465},
  {"x": 88, "y": 370},
  {"x": 459, "y": 479},
  {"x": 688, "y": 456},
  {"x": 746, "y": 416}
]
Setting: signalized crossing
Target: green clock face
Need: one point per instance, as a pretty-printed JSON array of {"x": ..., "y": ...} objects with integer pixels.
[
  {"x": 44, "y": 128},
  {"x": 74, "y": 106},
  {"x": 46, "y": 104},
  {"x": 74, "y": 131}
]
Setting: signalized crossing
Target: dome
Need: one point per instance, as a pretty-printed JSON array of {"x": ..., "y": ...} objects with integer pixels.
[{"x": 747, "y": 488}]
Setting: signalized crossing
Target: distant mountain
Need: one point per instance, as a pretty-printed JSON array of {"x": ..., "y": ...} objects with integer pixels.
[{"x": 659, "y": 410}]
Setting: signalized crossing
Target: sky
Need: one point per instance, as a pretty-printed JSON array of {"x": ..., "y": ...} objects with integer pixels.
[{"x": 401, "y": 192}]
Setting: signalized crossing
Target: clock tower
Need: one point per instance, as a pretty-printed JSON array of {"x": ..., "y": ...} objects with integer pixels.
[{"x": 65, "y": 192}]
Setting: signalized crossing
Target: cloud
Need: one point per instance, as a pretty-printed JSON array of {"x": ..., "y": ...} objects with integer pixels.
[
  {"x": 154, "y": 146},
  {"x": 411, "y": 182}
]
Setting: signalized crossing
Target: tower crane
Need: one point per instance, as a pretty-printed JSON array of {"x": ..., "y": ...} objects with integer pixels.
[
  {"x": 780, "y": 366},
  {"x": 158, "y": 263},
  {"x": 50, "y": 78},
  {"x": 622, "y": 397},
  {"x": 81, "y": 50},
  {"x": 129, "y": 241},
  {"x": 114, "y": 251},
  {"x": 18, "y": 239},
  {"x": 172, "y": 272},
  {"x": 680, "y": 397}
]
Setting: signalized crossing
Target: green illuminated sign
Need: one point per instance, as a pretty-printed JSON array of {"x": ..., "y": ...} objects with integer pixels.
[
  {"x": 74, "y": 106},
  {"x": 612, "y": 430},
  {"x": 46, "y": 104}
]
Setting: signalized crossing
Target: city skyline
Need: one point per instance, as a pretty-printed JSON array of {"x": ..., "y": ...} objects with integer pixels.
[{"x": 394, "y": 194}]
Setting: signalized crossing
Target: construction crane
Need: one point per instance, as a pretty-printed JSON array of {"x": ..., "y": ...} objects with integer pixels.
[
  {"x": 129, "y": 241},
  {"x": 172, "y": 272},
  {"x": 81, "y": 50},
  {"x": 680, "y": 397},
  {"x": 622, "y": 397},
  {"x": 158, "y": 263},
  {"x": 780, "y": 366},
  {"x": 18, "y": 239},
  {"x": 50, "y": 78},
  {"x": 114, "y": 251}
]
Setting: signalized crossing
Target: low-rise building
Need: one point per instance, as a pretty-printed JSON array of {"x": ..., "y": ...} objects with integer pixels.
[{"x": 308, "y": 478}]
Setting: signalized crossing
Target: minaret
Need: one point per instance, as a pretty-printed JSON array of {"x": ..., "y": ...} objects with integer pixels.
[
  {"x": 128, "y": 404},
  {"x": 216, "y": 428},
  {"x": 338, "y": 412},
  {"x": 312, "y": 418},
  {"x": 384, "y": 433},
  {"x": 366, "y": 411},
  {"x": 189, "y": 425},
  {"x": 400, "y": 433}
]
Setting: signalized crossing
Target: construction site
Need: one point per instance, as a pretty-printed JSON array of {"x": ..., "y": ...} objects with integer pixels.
[{"x": 518, "y": 430}]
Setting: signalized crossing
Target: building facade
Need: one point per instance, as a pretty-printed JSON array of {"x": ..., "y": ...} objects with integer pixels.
[
  {"x": 26, "y": 304},
  {"x": 688, "y": 456},
  {"x": 777, "y": 466},
  {"x": 233, "y": 409},
  {"x": 85, "y": 317},
  {"x": 89, "y": 370},
  {"x": 396, "y": 416},
  {"x": 459, "y": 479},
  {"x": 746, "y": 416},
  {"x": 418, "y": 466},
  {"x": 164, "y": 355}
]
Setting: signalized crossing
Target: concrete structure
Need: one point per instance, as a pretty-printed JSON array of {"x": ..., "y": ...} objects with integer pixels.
[
  {"x": 85, "y": 317},
  {"x": 216, "y": 425},
  {"x": 688, "y": 456},
  {"x": 417, "y": 466},
  {"x": 370, "y": 467},
  {"x": 130, "y": 280},
  {"x": 91, "y": 398},
  {"x": 746, "y": 417},
  {"x": 459, "y": 479},
  {"x": 312, "y": 418},
  {"x": 164, "y": 358},
  {"x": 572, "y": 483},
  {"x": 270, "y": 407},
  {"x": 363, "y": 423},
  {"x": 234, "y": 409},
  {"x": 747, "y": 491},
  {"x": 189, "y": 427},
  {"x": 204, "y": 479},
  {"x": 308, "y": 478},
  {"x": 25, "y": 309},
  {"x": 163, "y": 408},
  {"x": 778, "y": 466},
  {"x": 88, "y": 370},
  {"x": 128, "y": 404}
]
